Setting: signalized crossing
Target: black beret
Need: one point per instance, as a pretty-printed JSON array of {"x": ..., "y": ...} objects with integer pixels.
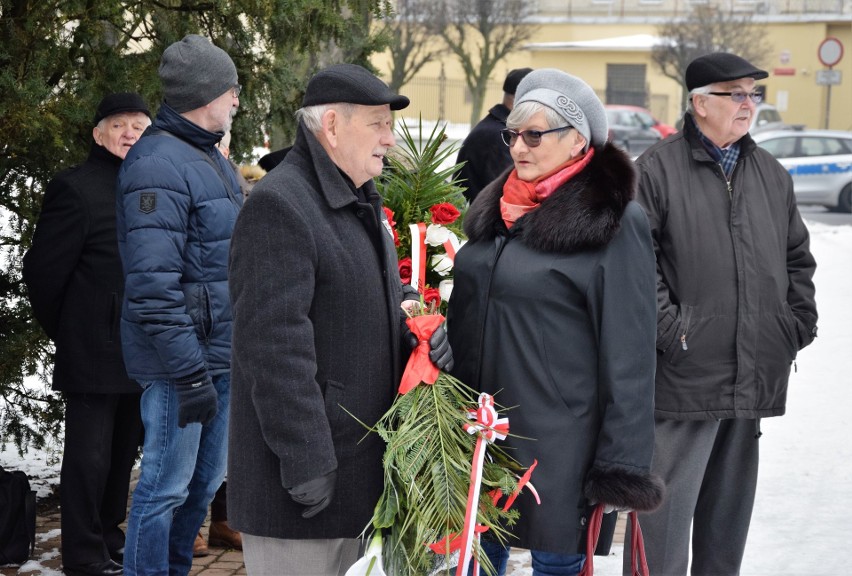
[
  {"x": 351, "y": 84},
  {"x": 120, "y": 102},
  {"x": 720, "y": 67},
  {"x": 513, "y": 78}
]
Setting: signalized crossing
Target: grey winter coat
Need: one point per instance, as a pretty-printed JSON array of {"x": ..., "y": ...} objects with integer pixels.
[
  {"x": 555, "y": 317},
  {"x": 316, "y": 295},
  {"x": 735, "y": 294}
]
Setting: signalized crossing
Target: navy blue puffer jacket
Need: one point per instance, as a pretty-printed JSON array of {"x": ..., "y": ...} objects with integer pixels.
[{"x": 176, "y": 210}]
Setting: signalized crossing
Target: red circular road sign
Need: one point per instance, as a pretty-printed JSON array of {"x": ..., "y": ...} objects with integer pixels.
[{"x": 830, "y": 51}]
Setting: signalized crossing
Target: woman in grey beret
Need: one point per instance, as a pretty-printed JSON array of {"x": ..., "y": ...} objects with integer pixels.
[{"x": 553, "y": 313}]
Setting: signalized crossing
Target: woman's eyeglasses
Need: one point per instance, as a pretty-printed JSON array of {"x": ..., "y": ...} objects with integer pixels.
[
  {"x": 740, "y": 97},
  {"x": 532, "y": 138}
]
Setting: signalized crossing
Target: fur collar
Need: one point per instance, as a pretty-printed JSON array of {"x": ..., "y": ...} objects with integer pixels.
[{"x": 583, "y": 214}]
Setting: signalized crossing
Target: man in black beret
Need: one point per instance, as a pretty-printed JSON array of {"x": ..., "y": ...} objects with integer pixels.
[
  {"x": 318, "y": 334},
  {"x": 75, "y": 285},
  {"x": 483, "y": 152},
  {"x": 735, "y": 298}
]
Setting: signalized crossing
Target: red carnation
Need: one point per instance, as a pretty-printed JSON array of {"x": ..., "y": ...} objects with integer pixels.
[
  {"x": 444, "y": 213},
  {"x": 405, "y": 270}
]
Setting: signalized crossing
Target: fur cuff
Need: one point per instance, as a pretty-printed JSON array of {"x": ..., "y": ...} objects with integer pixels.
[{"x": 624, "y": 488}]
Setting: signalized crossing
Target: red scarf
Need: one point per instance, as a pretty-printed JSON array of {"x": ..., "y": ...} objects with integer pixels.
[{"x": 520, "y": 197}]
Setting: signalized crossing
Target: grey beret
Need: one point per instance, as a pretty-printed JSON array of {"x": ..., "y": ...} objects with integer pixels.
[
  {"x": 571, "y": 98},
  {"x": 194, "y": 72}
]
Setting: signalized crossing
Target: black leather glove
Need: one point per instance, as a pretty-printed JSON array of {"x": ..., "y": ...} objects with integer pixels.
[
  {"x": 316, "y": 493},
  {"x": 441, "y": 354},
  {"x": 197, "y": 398}
]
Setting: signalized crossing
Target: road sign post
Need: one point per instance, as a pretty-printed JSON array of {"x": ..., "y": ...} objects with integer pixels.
[{"x": 830, "y": 52}]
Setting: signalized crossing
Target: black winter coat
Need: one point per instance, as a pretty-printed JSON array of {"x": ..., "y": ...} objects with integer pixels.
[
  {"x": 555, "y": 317},
  {"x": 485, "y": 154},
  {"x": 316, "y": 355},
  {"x": 735, "y": 279},
  {"x": 74, "y": 278}
]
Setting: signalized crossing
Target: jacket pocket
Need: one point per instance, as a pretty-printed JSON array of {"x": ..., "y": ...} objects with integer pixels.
[
  {"x": 680, "y": 338},
  {"x": 201, "y": 312}
]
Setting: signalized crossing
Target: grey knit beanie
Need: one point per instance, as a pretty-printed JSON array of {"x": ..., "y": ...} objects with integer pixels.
[
  {"x": 194, "y": 72},
  {"x": 571, "y": 98}
]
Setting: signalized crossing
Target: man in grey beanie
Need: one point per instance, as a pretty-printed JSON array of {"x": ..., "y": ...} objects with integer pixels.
[{"x": 177, "y": 202}]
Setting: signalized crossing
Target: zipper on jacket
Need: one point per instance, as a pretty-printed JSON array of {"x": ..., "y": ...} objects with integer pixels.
[{"x": 688, "y": 312}]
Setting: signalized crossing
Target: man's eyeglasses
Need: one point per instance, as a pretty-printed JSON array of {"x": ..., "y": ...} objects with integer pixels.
[
  {"x": 740, "y": 97},
  {"x": 235, "y": 91},
  {"x": 532, "y": 138}
]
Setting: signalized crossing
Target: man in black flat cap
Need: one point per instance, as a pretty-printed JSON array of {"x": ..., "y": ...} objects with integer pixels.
[
  {"x": 483, "y": 151},
  {"x": 318, "y": 337},
  {"x": 735, "y": 303},
  {"x": 75, "y": 285}
]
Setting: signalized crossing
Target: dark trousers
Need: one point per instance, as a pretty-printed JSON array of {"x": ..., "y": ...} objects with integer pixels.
[
  {"x": 710, "y": 470},
  {"x": 103, "y": 433}
]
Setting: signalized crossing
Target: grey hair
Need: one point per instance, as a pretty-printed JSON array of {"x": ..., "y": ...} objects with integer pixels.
[
  {"x": 312, "y": 115},
  {"x": 702, "y": 90},
  {"x": 526, "y": 110}
]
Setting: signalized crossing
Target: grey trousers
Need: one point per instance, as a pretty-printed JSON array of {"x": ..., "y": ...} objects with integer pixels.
[
  {"x": 279, "y": 557},
  {"x": 710, "y": 471}
]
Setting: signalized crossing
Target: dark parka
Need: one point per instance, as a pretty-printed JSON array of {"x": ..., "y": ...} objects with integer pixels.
[
  {"x": 316, "y": 297},
  {"x": 556, "y": 317},
  {"x": 734, "y": 279},
  {"x": 178, "y": 200},
  {"x": 74, "y": 278},
  {"x": 485, "y": 155}
]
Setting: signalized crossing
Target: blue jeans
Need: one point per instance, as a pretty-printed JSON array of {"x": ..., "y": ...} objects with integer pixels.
[
  {"x": 543, "y": 563},
  {"x": 181, "y": 470}
]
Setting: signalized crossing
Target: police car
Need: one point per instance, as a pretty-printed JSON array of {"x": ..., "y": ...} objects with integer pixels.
[{"x": 820, "y": 162}]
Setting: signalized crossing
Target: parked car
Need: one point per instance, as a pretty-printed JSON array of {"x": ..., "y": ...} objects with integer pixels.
[
  {"x": 767, "y": 117},
  {"x": 646, "y": 118},
  {"x": 820, "y": 162},
  {"x": 628, "y": 131}
]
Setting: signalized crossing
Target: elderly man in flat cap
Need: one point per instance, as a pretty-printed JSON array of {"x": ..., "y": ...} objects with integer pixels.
[
  {"x": 318, "y": 338},
  {"x": 178, "y": 200},
  {"x": 75, "y": 284},
  {"x": 735, "y": 303}
]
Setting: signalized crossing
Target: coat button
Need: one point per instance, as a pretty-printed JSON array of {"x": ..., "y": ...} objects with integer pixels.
[{"x": 360, "y": 213}]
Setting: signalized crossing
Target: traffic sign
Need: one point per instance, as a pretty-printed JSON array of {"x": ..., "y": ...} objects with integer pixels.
[
  {"x": 830, "y": 51},
  {"x": 827, "y": 77}
]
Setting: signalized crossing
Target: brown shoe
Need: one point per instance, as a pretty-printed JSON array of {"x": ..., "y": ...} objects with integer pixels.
[
  {"x": 199, "y": 548},
  {"x": 224, "y": 536}
]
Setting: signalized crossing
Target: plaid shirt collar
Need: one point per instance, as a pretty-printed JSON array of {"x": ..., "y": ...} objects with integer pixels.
[{"x": 726, "y": 157}]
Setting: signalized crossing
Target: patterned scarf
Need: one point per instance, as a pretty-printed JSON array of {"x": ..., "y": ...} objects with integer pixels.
[{"x": 520, "y": 197}]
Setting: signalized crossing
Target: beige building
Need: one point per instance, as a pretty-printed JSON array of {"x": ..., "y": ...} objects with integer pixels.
[{"x": 608, "y": 43}]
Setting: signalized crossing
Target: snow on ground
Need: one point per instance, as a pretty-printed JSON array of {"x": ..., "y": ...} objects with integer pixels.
[{"x": 800, "y": 523}]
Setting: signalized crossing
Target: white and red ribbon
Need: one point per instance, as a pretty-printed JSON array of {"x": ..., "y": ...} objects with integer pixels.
[
  {"x": 418, "y": 255},
  {"x": 489, "y": 427}
]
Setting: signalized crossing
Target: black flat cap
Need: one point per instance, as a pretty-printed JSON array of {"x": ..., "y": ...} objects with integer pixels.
[
  {"x": 720, "y": 67},
  {"x": 513, "y": 78},
  {"x": 120, "y": 102},
  {"x": 352, "y": 84}
]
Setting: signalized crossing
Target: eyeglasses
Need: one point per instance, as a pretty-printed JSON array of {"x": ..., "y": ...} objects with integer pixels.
[
  {"x": 532, "y": 138},
  {"x": 740, "y": 97},
  {"x": 235, "y": 91}
]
